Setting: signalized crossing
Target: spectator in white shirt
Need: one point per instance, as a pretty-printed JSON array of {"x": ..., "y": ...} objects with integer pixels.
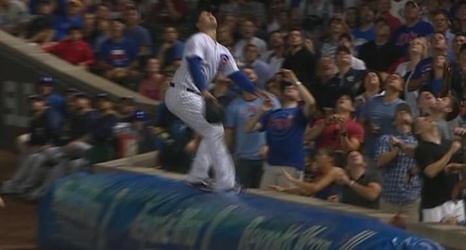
[
  {"x": 248, "y": 32},
  {"x": 275, "y": 56},
  {"x": 347, "y": 41},
  {"x": 13, "y": 15}
]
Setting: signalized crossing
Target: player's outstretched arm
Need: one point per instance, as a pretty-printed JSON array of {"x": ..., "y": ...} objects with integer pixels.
[{"x": 240, "y": 79}]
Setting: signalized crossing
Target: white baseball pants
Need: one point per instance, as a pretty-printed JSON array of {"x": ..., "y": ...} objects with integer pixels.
[{"x": 212, "y": 151}]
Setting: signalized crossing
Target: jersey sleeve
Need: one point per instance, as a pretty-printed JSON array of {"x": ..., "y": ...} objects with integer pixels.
[
  {"x": 228, "y": 64},
  {"x": 194, "y": 47}
]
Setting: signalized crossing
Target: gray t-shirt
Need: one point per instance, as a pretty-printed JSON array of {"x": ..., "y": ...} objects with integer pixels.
[{"x": 447, "y": 129}]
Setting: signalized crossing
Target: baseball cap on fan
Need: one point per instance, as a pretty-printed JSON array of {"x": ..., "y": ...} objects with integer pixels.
[
  {"x": 403, "y": 107},
  {"x": 412, "y": 3}
]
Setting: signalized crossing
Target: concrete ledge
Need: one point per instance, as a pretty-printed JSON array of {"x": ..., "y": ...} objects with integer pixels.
[
  {"x": 30, "y": 56},
  {"x": 452, "y": 237}
]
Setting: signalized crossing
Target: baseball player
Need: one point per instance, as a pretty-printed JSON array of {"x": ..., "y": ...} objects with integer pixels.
[
  {"x": 74, "y": 148},
  {"x": 203, "y": 59},
  {"x": 45, "y": 129},
  {"x": 45, "y": 87}
]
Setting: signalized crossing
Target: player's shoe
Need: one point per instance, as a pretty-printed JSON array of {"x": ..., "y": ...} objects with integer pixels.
[
  {"x": 201, "y": 185},
  {"x": 237, "y": 189}
]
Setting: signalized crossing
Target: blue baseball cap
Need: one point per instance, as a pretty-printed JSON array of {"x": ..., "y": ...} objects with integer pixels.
[{"x": 46, "y": 80}]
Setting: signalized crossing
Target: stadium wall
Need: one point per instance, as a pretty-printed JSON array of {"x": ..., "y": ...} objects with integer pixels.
[
  {"x": 133, "y": 211},
  {"x": 22, "y": 64}
]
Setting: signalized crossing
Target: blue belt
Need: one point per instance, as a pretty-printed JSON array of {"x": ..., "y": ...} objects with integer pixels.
[{"x": 187, "y": 89}]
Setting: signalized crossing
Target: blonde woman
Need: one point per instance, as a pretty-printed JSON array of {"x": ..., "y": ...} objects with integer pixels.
[{"x": 418, "y": 50}]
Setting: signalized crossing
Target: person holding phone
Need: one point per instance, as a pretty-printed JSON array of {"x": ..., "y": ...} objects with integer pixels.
[{"x": 284, "y": 129}]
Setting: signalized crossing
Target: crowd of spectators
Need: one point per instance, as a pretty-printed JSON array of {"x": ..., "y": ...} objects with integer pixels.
[{"x": 385, "y": 130}]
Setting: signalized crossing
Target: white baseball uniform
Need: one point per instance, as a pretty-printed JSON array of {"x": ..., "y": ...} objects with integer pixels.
[{"x": 184, "y": 100}]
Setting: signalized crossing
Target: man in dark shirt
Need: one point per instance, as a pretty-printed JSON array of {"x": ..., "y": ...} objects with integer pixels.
[
  {"x": 127, "y": 107},
  {"x": 361, "y": 187},
  {"x": 40, "y": 29},
  {"x": 372, "y": 52},
  {"x": 432, "y": 155},
  {"x": 45, "y": 129},
  {"x": 102, "y": 137},
  {"x": 300, "y": 60}
]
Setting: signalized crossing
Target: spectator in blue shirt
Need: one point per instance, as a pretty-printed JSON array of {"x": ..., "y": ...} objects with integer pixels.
[
  {"x": 136, "y": 32},
  {"x": 377, "y": 115},
  {"x": 430, "y": 70},
  {"x": 365, "y": 31},
  {"x": 118, "y": 55},
  {"x": 284, "y": 129},
  {"x": 55, "y": 101},
  {"x": 414, "y": 27},
  {"x": 247, "y": 146},
  {"x": 171, "y": 51},
  {"x": 72, "y": 18},
  {"x": 263, "y": 70}
]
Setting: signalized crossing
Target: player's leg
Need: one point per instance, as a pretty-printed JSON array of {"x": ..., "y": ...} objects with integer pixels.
[
  {"x": 36, "y": 172},
  {"x": 200, "y": 169},
  {"x": 21, "y": 174},
  {"x": 221, "y": 159},
  {"x": 189, "y": 107}
]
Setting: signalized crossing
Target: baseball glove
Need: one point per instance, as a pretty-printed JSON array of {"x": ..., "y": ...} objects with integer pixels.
[{"x": 214, "y": 112}]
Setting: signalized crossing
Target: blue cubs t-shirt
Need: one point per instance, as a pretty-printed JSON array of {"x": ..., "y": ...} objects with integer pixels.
[
  {"x": 238, "y": 113},
  {"x": 119, "y": 54},
  {"x": 284, "y": 133},
  {"x": 362, "y": 37},
  {"x": 404, "y": 34}
]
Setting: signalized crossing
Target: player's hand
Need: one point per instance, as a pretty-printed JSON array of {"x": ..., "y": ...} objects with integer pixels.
[
  {"x": 208, "y": 96},
  {"x": 455, "y": 146},
  {"x": 289, "y": 75},
  {"x": 453, "y": 168}
]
